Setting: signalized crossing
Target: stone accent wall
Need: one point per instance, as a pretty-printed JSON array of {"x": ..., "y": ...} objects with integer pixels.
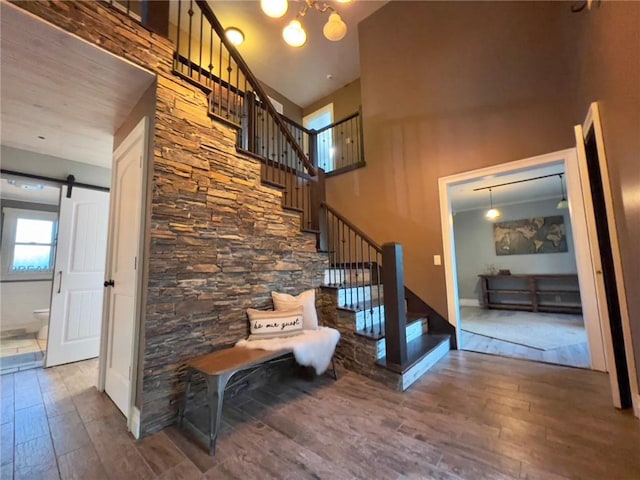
[
  {"x": 354, "y": 352},
  {"x": 219, "y": 240}
]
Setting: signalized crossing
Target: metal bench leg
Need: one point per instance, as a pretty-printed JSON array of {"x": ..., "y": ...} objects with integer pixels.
[
  {"x": 215, "y": 389},
  {"x": 187, "y": 391},
  {"x": 333, "y": 366}
]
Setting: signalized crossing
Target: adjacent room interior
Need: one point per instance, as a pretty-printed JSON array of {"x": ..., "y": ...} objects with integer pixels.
[
  {"x": 516, "y": 267},
  {"x": 29, "y": 228}
]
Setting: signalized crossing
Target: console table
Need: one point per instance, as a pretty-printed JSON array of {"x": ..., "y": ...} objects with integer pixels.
[{"x": 532, "y": 292}]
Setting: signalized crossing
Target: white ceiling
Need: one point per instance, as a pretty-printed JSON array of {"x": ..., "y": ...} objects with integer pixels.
[
  {"x": 463, "y": 197},
  {"x": 300, "y": 74},
  {"x": 63, "y": 89},
  {"x": 47, "y": 194}
]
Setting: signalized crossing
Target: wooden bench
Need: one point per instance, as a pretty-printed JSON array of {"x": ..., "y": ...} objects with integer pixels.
[{"x": 218, "y": 368}]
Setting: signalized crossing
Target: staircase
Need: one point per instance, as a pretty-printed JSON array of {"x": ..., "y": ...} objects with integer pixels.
[
  {"x": 386, "y": 334},
  {"x": 352, "y": 299}
]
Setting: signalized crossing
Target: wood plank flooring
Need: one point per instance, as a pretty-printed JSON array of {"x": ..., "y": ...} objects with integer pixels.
[
  {"x": 472, "y": 416},
  {"x": 571, "y": 355}
]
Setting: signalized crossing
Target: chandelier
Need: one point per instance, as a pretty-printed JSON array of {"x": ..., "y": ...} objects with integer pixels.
[{"x": 294, "y": 33}]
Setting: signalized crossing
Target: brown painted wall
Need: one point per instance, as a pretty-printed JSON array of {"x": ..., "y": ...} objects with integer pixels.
[
  {"x": 290, "y": 109},
  {"x": 608, "y": 52},
  {"x": 458, "y": 86},
  {"x": 346, "y": 100}
]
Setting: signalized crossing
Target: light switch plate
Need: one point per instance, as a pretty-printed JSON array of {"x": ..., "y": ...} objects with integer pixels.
[{"x": 437, "y": 260}]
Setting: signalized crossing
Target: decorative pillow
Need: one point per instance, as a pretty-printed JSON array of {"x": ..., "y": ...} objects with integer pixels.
[
  {"x": 266, "y": 324},
  {"x": 307, "y": 300}
]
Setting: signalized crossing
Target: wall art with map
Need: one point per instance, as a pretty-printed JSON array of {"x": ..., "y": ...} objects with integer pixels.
[{"x": 531, "y": 235}]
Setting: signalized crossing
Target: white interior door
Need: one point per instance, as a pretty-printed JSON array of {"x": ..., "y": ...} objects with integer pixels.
[
  {"x": 76, "y": 302},
  {"x": 123, "y": 266}
]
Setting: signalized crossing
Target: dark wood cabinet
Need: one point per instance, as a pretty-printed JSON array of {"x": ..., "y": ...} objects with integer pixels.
[{"x": 532, "y": 292}]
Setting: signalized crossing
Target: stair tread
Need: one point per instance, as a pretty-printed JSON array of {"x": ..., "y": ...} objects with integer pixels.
[
  {"x": 273, "y": 184},
  {"x": 417, "y": 349},
  {"x": 362, "y": 305},
  {"x": 293, "y": 209},
  {"x": 365, "y": 332},
  {"x": 413, "y": 316},
  {"x": 370, "y": 335},
  {"x": 353, "y": 285},
  {"x": 310, "y": 230}
]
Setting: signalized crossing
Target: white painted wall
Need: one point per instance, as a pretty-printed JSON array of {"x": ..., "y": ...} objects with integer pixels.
[
  {"x": 19, "y": 300},
  {"x": 475, "y": 249}
]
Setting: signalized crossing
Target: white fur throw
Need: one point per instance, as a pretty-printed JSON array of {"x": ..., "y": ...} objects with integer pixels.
[{"x": 313, "y": 348}]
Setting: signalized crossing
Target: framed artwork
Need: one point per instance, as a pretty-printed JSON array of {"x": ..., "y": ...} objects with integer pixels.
[{"x": 530, "y": 235}]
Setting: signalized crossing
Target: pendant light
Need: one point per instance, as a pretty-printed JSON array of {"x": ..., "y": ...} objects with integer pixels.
[
  {"x": 562, "y": 204},
  {"x": 493, "y": 213}
]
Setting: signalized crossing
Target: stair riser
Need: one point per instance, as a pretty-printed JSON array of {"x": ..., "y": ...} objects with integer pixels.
[
  {"x": 354, "y": 295},
  {"x": 369, "y": 318},
  {"x": 335, "y": 276},
  {"x": 414, "y": 330}
]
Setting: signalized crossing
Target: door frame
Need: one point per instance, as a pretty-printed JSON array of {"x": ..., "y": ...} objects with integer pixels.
[
  {"x": 139, "y": 133},
  {"x": 586, "y": 272},
  {"x": 593, "y": 121}
]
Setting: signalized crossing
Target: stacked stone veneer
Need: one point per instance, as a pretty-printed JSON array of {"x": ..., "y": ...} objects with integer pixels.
[
  {"x": 219, "y": 241},
  {"x": 354, "y": 352}
]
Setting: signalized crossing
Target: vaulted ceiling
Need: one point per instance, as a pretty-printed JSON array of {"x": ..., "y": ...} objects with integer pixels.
[{"x": 300, "y": 74}]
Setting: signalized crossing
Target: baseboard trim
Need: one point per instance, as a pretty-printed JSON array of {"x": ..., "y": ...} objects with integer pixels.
[
  {"x": 134, "y": 423},
  {"x": 469, "y": 302}
]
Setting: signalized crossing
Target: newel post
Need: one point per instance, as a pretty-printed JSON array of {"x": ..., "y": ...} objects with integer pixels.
[
  {"x": 394, "y": 305},
  {"x": 318, "y": 213},
  {"x": 313, "y": 148}
]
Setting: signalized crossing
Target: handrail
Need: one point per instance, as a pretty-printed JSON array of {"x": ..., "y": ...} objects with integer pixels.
[
  {"x": 296, "y": 124},
  {"x": 255, "y": 84},
  {"x": 364, "y": 236},
  {"x": 339, "y": 122}
]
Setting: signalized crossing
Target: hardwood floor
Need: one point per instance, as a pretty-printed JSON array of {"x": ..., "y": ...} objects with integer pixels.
[
  {"x": 570, "y": 355},
  {"x": 472, "y": 416}
]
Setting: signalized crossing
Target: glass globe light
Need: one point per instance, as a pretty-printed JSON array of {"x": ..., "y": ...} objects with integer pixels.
[
  {"x": 274, "y": 8},
  {"x": 234, "y": 35},
  {"x": 294, "y": 34},
  {"x": 493, "y": 214},
  {"x": 335, "y": 29}
]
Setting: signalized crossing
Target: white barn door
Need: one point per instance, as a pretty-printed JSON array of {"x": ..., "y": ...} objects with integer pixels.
[{"x": 76, "y": 302}]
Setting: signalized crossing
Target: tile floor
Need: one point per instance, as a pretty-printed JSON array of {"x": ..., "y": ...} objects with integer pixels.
[
  {"x": 473, "y": 416},
  {"x": 21, "y": 352}
]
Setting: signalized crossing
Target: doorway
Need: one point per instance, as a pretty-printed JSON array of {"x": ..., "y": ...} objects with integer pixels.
[
  {"x": 518, "y": 285},
  {"x": 73, "y": 128},
  {"x": 567, "y": 161},
  {"x": 29, "y": 217}
]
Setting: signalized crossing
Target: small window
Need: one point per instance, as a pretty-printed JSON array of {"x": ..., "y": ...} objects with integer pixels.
[{"x": 28, "y": 244}]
